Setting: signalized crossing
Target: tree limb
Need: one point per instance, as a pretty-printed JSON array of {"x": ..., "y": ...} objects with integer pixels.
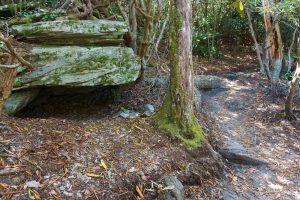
[{"x": 12, "y": 51}]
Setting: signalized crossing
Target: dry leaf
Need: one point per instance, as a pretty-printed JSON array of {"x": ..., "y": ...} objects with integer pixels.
[
  {"x": 33, "y": 194},
  {"x": 103, "y": 164},
  {"x": 92, "y": 175},
  {"x": 36, "y": 195},
  {"x": 4, "y": 185},
  {"x": 4, "y": 141}
]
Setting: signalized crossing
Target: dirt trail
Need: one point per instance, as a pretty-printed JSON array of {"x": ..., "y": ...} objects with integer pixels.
[{"x": 246, "y": 121}]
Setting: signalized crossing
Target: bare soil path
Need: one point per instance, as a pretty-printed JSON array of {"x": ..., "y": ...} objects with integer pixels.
[{"x": 245, "y": 119}]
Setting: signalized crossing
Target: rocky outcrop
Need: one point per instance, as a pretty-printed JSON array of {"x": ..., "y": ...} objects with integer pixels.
[
  {"x": 66, "y": 32},
  {"x": 75, "y": 66},
  {"x": 72, "y": 54}
]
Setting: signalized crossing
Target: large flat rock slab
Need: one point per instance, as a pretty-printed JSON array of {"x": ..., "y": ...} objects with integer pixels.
[
  {"x": 75, "y": 66},
  {"x": 72, "y": 32}
]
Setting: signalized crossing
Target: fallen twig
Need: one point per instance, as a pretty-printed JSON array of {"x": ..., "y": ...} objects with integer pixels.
[
  {"x": 7, "y": 171},
  {"x": 13, "y": 52}
]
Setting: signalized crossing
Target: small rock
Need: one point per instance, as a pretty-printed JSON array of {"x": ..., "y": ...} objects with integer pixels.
[
  {"x": 176, "y": 188},
  {"x": 133, "y": 115},
  {"x": 62, "y": 188},
  {"x": 207, "y": 82},
  {"x": 32, "y": 184},
  {"x": 149, "y": 107},
  {"x": 124, "y": 113},
  {"x": 148, "y": 110}
]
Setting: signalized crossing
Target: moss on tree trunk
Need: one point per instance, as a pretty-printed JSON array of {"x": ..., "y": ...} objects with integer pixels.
[{"x": 176, "y": 115}]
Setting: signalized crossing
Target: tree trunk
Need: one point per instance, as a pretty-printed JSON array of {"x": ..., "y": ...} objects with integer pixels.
[
  {"x": 7, "y": 77},
  {"x": 176, "y": 115},
  {"x": 273, "y": 48},
  {"x": 258, "y": 51},
  {"x": 133, "y": 25},
  {"x": 251, "y": 29},
  {"x": 293, "y": 87}
]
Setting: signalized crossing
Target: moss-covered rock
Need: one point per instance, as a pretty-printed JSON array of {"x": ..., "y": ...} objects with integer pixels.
[
  {"x": 65, "y": 32},
  {"x": 207, "y": 82},
  {"x": 76, "y": 66},
  {"x": 19, "y": 99}
]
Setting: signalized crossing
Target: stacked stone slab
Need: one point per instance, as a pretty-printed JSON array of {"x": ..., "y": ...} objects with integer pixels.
[{"x": 72, "y": 54}]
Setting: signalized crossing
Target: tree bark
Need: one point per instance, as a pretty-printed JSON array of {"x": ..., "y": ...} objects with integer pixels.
[
  {"x": 7, "y": 77},
  {"x": 176, "y": 115},
  {"x": 290, "y": 61},
  {"x": 293, "y": 88},
  {"x": 273, "y": 48},
  {"x": 133, "y": 25},
  {"x": 258, "y": 52}
]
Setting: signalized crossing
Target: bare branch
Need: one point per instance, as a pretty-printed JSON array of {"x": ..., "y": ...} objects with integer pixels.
[{"x": 12, "y": 51}]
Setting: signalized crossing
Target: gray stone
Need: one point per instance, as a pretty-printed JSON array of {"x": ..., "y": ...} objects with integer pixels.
[
  {"x": 19, "y": 100},
  {"x": 148, "y": 110},
  {"x": 237, "y": 153},
  {"x": 62, "y": 188},
  {"x": 207, "y": 82},
  {"x": 74, "y": 66},
  {"x": 64, "y": 32},
  {"x": 176, "y": 190},
  {"x": 236, "y": 147},
  {"x": 133, "y": 115},
  {"x": 124, "y": 113}
]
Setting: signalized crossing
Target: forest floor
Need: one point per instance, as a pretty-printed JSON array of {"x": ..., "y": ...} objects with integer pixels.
[{"x": 74, "y": 147}]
